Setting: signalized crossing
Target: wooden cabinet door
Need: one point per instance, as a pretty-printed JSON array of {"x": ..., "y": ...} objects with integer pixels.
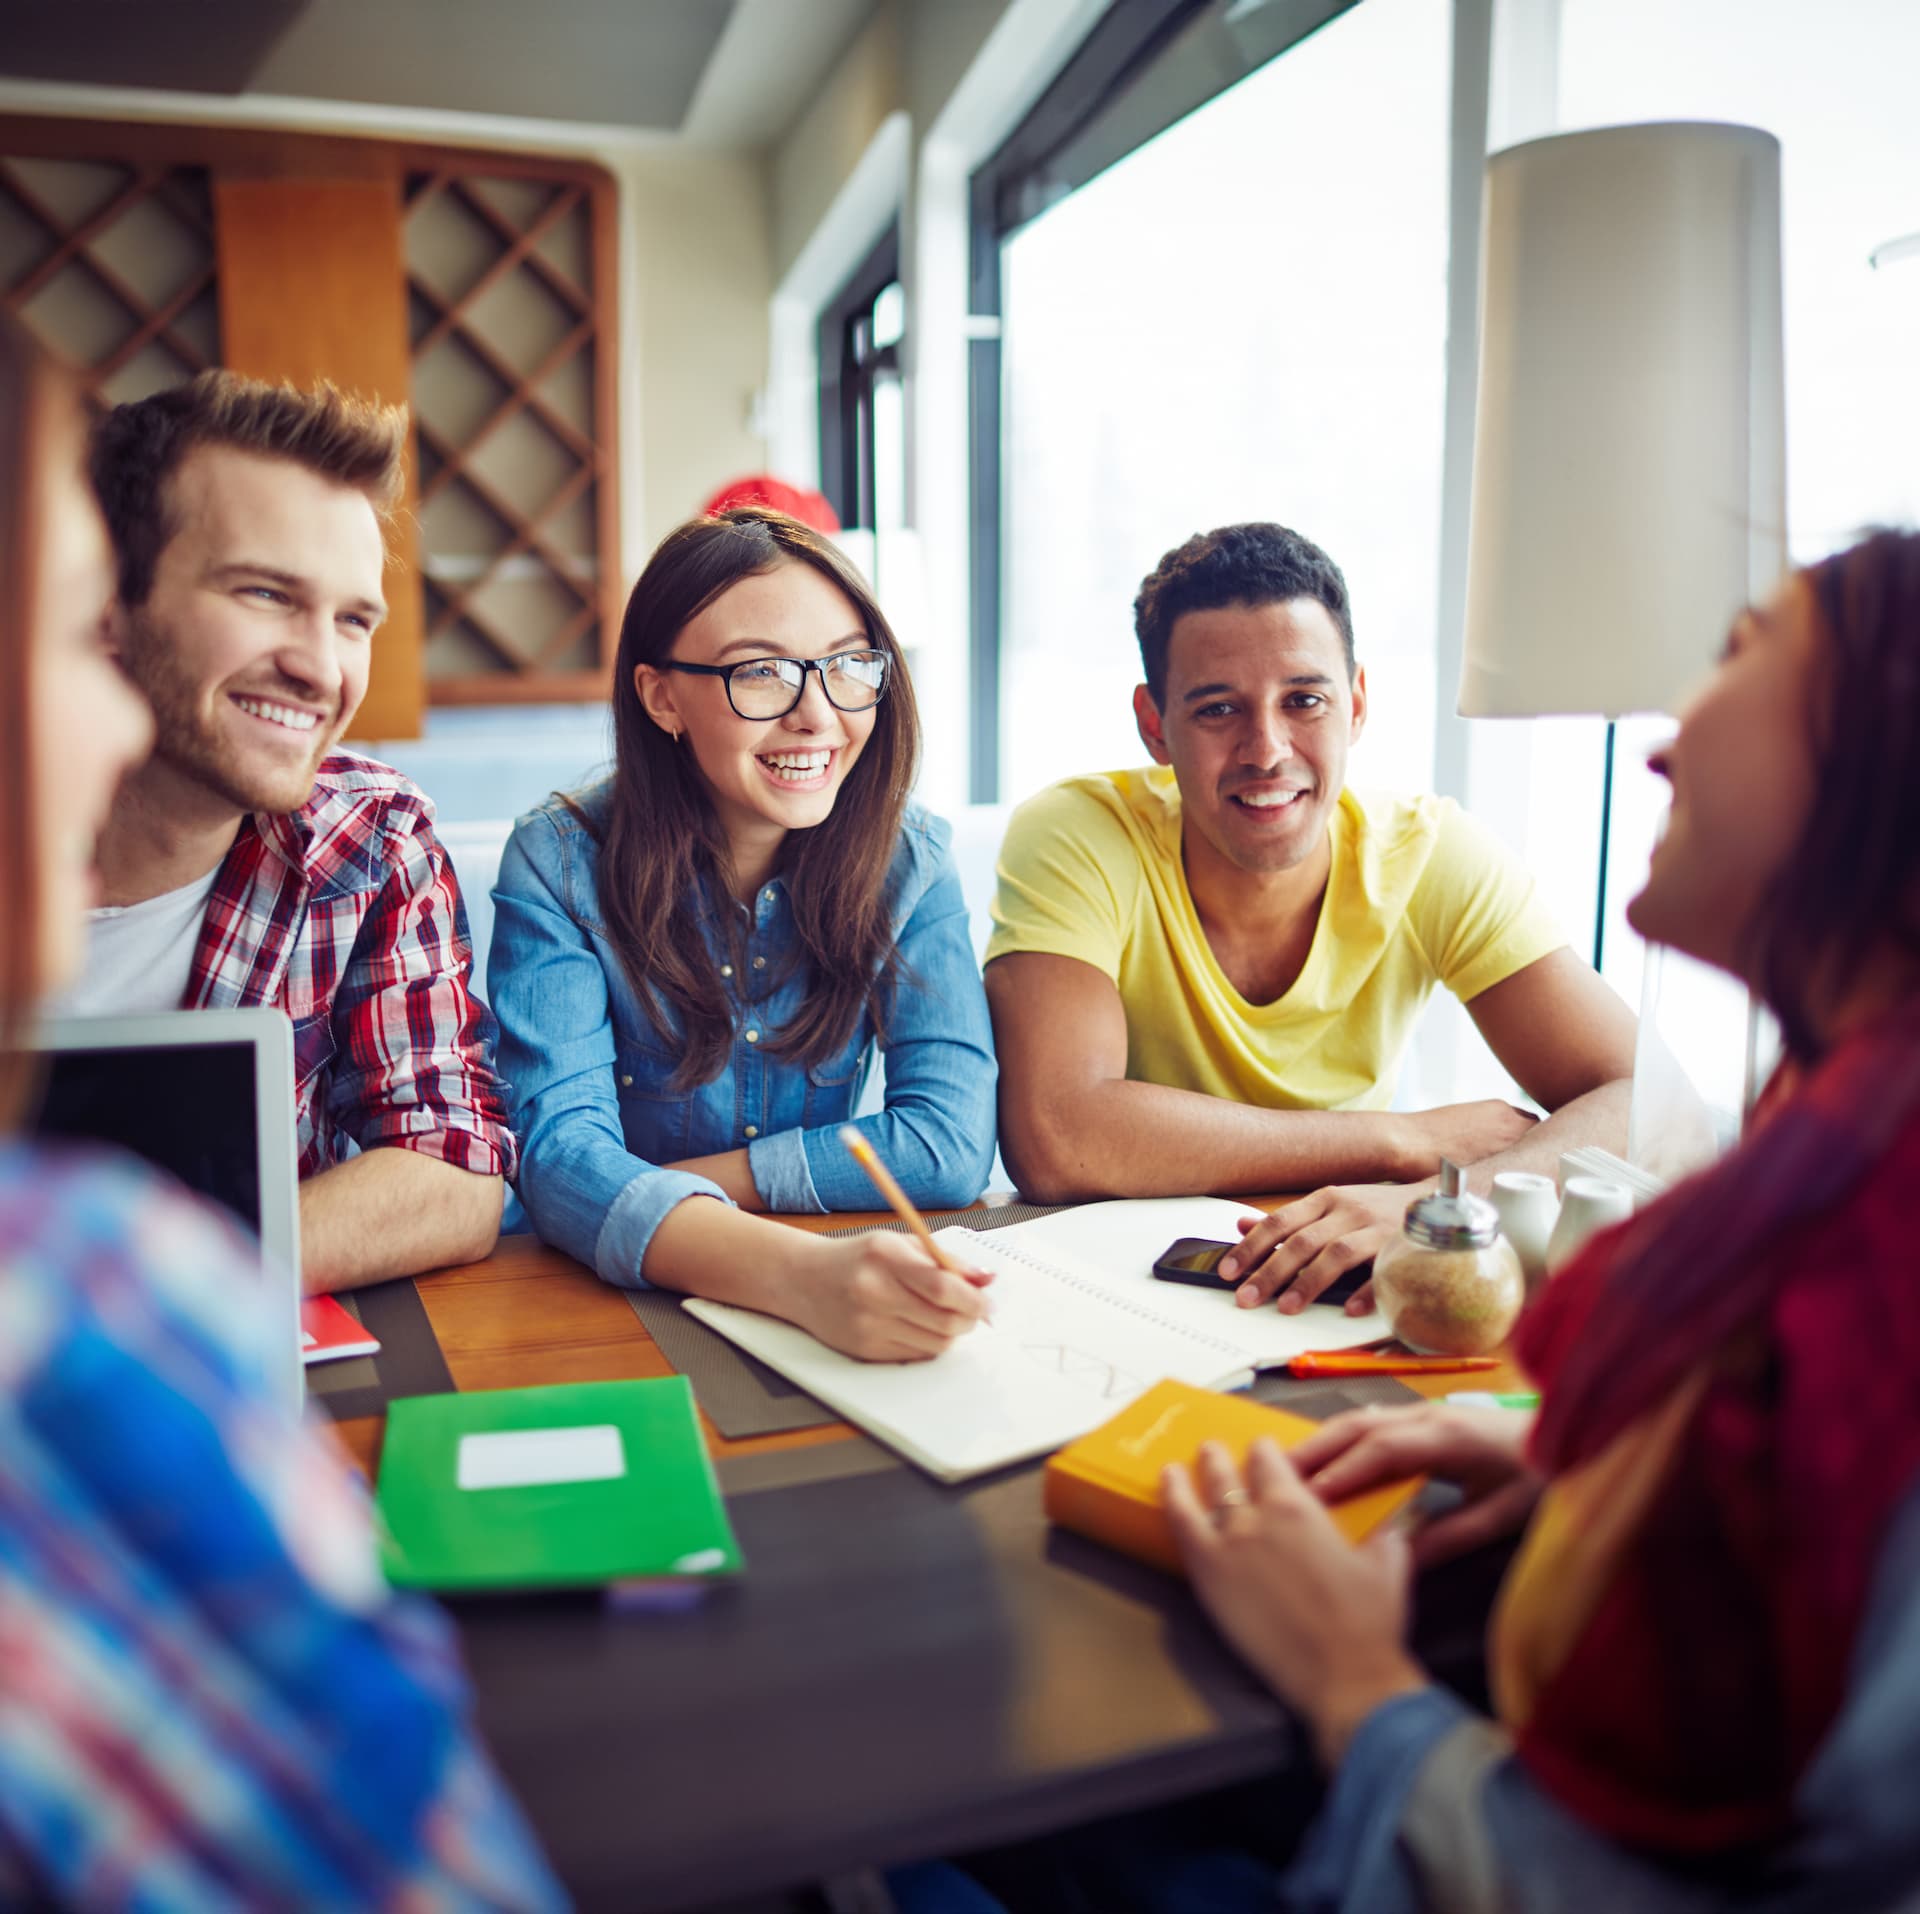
[{"x": 313, "y": 285}]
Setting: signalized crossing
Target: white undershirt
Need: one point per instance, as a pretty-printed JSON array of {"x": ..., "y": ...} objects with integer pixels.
[{"x": 139, "y": 956}]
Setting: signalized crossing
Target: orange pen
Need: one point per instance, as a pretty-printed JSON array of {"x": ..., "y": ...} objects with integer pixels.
[{"x": 1343, "y": 1362}]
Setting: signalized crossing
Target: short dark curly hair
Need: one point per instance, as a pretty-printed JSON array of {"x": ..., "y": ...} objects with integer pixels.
[{"x": 1251, "y": 565}]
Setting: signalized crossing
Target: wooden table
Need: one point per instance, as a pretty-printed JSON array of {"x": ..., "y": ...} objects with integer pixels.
[{"x": 905, "y": 1670}]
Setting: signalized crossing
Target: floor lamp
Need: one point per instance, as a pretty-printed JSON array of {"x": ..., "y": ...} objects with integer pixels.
[{"x": 1629, "y": 490}]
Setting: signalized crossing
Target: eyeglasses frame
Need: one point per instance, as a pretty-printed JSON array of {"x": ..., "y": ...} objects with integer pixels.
[{"x": 725, "y": 673}]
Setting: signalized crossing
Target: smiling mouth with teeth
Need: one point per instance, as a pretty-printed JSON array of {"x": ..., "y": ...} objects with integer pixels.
[
  {"x": 797, "y": 767},
  {"x": 1267, "y": 800},
  {"x": 288, "y": 717}
]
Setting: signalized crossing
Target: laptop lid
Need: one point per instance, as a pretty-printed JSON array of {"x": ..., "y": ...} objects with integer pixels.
[{"x": 206, "y": 1096}]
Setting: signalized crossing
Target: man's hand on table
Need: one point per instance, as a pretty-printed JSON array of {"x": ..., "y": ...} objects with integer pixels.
[{"x": 1307, "y": 1245}]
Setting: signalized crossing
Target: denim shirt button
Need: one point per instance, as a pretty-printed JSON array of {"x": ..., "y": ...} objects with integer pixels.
[
  {"x": 759, "y": 963},
  {"x": 766, "y": 897},
  {"x": 753, "y": 1036},
  {"x": 752, "y": 1129},
  {"x": 626, "y": 1082},
  {"x": 726, "y": 970}
]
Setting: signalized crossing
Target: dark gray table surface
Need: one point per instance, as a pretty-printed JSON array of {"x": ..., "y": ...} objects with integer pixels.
[{"x": 904, "y": 1670}]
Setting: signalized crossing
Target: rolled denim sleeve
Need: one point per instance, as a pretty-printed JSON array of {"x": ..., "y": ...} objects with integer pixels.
[
  {"x": 783, "y": 1176},
  {"x": 1353, "y": 1859},
  {"x": 936, "y": 1131},
  {"x": 584, "y": 1190},
  {"x": 1431, "y": 1809}
]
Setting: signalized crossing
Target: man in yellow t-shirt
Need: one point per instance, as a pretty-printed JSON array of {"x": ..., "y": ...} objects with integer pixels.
[{"x": 1202, "y": 974}]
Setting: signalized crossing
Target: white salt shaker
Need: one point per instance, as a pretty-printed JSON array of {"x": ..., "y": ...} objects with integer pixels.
[
  {"x": 1528, "y": 1207},
  {"x": 1589, "y": 1204}
]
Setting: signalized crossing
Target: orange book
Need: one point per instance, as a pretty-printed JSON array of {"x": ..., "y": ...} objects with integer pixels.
[{"x": 1107, "y": 1484}]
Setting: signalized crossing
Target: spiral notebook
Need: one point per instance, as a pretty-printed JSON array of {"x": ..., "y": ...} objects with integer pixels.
[{"x": 1080, "y": 1328}]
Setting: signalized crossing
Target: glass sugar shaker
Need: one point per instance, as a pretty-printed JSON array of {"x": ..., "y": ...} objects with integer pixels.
[{"x": 1450, "y": 1284}]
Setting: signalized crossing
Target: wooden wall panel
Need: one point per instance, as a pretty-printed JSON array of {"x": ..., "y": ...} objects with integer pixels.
[{"x": 313, "y": 285}]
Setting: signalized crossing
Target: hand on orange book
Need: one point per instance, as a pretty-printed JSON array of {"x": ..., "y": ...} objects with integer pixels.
[{"x": 1107, "y": 1484}]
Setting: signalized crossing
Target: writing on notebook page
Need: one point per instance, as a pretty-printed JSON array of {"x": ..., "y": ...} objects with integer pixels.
[{"x": 1095, "y": 1373}]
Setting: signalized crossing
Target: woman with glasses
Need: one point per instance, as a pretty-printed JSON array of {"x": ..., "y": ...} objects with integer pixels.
[{"x": 695, "y": 961}]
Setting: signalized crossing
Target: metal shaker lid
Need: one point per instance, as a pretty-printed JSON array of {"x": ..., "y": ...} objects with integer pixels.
[{"x": 1452, "y": 1217}]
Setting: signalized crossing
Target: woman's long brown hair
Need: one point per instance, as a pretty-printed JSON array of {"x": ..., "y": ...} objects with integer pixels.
[
  {"x": 663, "y": 854},
  {"x": 1851, "y": 889}
]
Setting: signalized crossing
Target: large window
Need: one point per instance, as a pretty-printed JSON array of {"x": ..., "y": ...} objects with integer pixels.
[
  {"x": 1242, "y": 319},
  {"x": 1835, "y": 85}
]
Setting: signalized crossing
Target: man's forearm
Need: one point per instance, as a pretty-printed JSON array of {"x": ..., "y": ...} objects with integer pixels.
[
  {"x": 1123, "y": 1138},
  {"x": 1599, "y": 1117},
  {"x": 394, "y": 1212}
]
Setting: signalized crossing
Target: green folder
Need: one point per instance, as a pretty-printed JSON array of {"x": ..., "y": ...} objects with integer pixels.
[{"x": 551, "y": 1487}]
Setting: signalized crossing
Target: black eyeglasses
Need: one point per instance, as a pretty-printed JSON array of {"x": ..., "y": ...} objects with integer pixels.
[{"x": 763, "y": 688}]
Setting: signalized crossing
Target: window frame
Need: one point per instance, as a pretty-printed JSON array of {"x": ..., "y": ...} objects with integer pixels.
[
  {"x": 1145, "y": 66},
  {"x": 849, "y": 368}
]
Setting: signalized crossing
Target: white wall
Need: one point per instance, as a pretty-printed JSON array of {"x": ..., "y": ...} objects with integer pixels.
[
  {"x": 694, "y": 332},
  {"x": 809, "y": 168}
]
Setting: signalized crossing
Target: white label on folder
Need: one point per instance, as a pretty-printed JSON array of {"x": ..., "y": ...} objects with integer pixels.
[{"x": 524, "y": 1458}]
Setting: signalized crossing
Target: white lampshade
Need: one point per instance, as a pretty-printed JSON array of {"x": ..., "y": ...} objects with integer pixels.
[{"x": 1629, "y": 488}]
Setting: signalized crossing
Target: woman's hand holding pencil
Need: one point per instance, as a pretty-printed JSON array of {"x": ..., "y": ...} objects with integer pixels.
[{"x": 887, "y": 1298}]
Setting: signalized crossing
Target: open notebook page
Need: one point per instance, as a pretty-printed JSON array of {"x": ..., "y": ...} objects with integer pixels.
[
  {"x": 1114, "y": 1245},
  {"x": 1054, "y": 1363},
  {"x": 1080, "y": 1329}
]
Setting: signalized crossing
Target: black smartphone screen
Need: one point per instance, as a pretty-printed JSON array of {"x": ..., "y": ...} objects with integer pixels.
[{"x": 1193, "y": 1259}]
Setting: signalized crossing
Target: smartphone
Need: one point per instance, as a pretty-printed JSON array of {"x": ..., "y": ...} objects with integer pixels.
[
  {"x": 1196, "y": 1260},
  {"x": 1193, "y": 1259}
]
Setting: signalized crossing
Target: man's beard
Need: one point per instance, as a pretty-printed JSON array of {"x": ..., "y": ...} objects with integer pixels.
[{"x": 188, "y": 740}]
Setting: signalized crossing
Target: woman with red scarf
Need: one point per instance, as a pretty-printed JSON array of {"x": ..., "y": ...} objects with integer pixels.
[{"x": 1705, "y": 1660}]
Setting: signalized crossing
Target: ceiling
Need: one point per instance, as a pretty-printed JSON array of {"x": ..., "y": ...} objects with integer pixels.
[{"x": 734, "y": 72}]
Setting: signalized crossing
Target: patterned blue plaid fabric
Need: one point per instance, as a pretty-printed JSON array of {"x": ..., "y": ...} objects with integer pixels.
[{"x": 209, "y": 1698}]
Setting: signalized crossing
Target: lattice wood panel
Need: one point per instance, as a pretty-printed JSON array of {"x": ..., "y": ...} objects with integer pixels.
[
  {"x": 509, "y": 358},
  {"x": 112, "y": 267}
]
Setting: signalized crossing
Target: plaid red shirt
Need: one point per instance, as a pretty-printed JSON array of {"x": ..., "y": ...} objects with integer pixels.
[{"x": 346, "y": 915}]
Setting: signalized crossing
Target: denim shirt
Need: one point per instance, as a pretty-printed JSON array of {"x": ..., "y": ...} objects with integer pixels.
[{"x": 591, "y": 1098}]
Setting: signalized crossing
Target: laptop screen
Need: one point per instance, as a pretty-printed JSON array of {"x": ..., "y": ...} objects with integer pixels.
[{"x": 189, "y": 1110}]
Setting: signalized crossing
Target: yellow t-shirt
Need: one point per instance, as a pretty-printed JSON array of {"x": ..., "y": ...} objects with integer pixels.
[{"x": 1418, "y": 895}]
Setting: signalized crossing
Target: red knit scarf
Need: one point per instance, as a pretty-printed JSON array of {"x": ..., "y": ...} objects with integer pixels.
[{"x": 1786, "y": 1280}]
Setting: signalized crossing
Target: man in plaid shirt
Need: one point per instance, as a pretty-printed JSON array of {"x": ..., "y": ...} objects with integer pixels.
[{"x": 250, "y": 861}]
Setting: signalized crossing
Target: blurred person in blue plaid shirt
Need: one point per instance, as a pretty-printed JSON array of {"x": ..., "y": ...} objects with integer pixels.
[{"x": 208, "y": 1695}]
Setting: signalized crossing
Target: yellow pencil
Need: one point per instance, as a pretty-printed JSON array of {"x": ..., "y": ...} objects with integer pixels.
[{"x": 898, "y": 1201}]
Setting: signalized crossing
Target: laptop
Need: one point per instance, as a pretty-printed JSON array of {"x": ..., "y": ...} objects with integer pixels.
[{"x": 206, "y": 1096}]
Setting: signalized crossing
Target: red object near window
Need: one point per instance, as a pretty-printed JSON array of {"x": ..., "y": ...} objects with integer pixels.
[{"x": 810, "y": 508}]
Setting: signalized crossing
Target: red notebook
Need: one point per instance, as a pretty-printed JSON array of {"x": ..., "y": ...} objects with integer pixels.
[{"x": 328, "y": 1332}]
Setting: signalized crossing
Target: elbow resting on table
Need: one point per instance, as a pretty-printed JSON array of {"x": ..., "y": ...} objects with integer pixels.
[
  {"x": 1047, "y": 1162},
  {"x": 952, "y": 1186},
  {"x": 483, "y": 1231},
  {"x": 947, "y": 1162}
]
